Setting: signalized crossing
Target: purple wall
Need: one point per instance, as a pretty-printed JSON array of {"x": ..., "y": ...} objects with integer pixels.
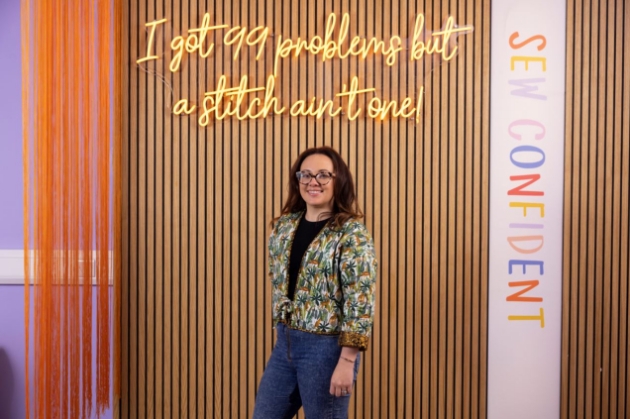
[
  {"x": 11, "y": 296},
  {"x": 11, "y": 204},
  {"x": 10, "y": 127}
]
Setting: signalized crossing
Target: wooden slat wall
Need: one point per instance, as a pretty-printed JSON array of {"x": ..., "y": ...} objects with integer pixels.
[
  {"x": 596, "y": 315},
  {"x": 196, "y": 311}
]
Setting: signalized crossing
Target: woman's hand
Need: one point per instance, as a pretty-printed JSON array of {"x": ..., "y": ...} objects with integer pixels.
[{"x": 343, "y": 378}]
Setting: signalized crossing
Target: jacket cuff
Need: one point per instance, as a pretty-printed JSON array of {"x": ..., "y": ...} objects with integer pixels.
[{"x": 354, "y": 340}]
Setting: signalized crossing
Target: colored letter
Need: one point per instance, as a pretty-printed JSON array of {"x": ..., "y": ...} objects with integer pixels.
[
  {"x": 527, "y": 41},
  {"x": 518, "y": 190},
  {"x": 520, "y": 122},
  {"x": 539, "y": 263},
  {"x": 517, "y": 296},
  {"x": 526, "y": 225},
  {"x": 541, "y": 317},
  {"x": 515, "y": 239},
  {"x": 525, "y": 149},
  {"x": 526, "y": 205},
  {"x": 526, "y": 90},
  {"x": 516, "y": 58}
]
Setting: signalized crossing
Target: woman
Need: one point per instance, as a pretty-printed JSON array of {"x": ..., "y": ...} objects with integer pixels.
[{"x": 323, "y": 272}]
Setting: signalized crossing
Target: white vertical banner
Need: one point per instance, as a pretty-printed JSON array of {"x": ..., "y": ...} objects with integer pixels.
[{"x": 527, "y": 101}]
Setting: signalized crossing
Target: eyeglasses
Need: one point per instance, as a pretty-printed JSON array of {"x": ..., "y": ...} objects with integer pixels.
[{"x": 323, "y": 178}]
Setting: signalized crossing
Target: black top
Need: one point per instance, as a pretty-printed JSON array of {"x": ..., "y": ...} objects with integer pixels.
[{"x": 304, "y": 235}]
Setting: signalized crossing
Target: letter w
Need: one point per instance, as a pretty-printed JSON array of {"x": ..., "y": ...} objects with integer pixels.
[
  {"x": 526, "y": 90},
  {"x": 517, "y": 296},
  {"x": 518, "y": 190}
]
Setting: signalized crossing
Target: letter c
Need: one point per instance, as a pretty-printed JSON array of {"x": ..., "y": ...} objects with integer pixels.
[{"x": 527, "y": 122}]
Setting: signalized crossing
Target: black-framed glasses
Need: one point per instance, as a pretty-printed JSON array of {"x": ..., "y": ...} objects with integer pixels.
[{"x": 323, "y": 177}]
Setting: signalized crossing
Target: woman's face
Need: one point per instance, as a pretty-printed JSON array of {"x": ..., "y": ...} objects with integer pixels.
[{"x": 318, "y": 197}]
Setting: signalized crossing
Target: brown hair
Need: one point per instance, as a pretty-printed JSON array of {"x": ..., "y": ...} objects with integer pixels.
[{"x": 345, "y": 204}]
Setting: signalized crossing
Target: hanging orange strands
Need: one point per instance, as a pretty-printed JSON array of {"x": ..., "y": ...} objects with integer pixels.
[
  {"x": 117, "y": 136},
  {"x": 72, "y": 204},
  {"x": 24, "y": 18}
]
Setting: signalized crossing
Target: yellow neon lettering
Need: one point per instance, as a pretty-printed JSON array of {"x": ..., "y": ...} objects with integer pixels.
[
  {"x": 243, "y": 102},
  {"x": 239, "y": 37},
  {"x": 374, "y": 45},
  {"x": 183, "y": 107},
  {"x": 299, "y": 108},
  {"x": 393, "y": 51},
  {"x": 208, "y": 108},
  {"x": 296, "y": 47},
  {"x": 235, "y": 100},
  {"x": 240, "y": 94},
  {"x": 255, "y": 102},
  {"x": 261, "y": 39},
  {"x": 327, "y": 107},
  {"x": 356, "y": 41},
  {"x": 271, "y": 101},
  {"x": 152, "y": 25},
  {"x": 419, "y": 47},
  {"x": 416, "y": 44},
  {"x": 527, "y": 60},
  {"x": 316, "y": 45},
  {"x": 406, "y": 103},
  {"x": 238, "y": 102},
  {"x": 352, "y": 94},
  {"x": 218, "y": 97},
  {"x": 446, "y": 35},
  {"x": 203, "y": 33},
  {"x": 177, "y": 45},
  {"x": 283, "y": 49},
  {"x": 343, "y": 32},
  {"x": 374, "y": 107},
  {"x": 381, "y": 109},
  {"x": 526, "y": 205},
  {"x": 419, "y": 105},
  {"x": 192, "y": 43},
  {"x": 431, "y": 46},
  {"x": 540, "y": 318},
  {"x": 330, "y": 46}
]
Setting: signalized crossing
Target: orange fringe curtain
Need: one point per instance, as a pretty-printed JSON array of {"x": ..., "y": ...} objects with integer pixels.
[{"x": 72, "y": 205}]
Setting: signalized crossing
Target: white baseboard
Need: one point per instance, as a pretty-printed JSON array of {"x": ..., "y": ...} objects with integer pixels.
[{"x": 12, "y": 267}]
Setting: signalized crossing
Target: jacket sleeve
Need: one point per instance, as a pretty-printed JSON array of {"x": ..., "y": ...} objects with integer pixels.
[
  {"x": 275, "y": 272},
  {"x": 358, "y": 267}
]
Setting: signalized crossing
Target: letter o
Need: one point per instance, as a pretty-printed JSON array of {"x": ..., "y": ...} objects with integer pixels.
[{"x": 525, "y": 149}]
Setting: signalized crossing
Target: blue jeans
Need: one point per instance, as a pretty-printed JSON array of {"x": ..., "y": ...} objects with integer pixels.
[{"x": 298, "y": 374}]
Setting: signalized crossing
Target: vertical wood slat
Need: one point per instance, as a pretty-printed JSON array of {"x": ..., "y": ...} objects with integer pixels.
[
  {"x": 596, "y": 214},
  {"x": 197, "y": 302}
]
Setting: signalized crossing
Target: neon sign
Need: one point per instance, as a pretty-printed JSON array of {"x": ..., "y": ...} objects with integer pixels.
[{"x": 243, "y": 101}]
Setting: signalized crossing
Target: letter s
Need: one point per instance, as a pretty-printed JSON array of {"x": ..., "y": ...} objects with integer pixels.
[{"x": 540, "y": 47}]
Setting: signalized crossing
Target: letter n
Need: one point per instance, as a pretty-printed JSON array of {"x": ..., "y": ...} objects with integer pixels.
[
  {"x": 517, "y": 296},
  {"x": 518, "y": 190}
]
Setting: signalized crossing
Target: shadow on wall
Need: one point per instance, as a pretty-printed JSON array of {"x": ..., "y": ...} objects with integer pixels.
[{"x": 7, "y": 385}]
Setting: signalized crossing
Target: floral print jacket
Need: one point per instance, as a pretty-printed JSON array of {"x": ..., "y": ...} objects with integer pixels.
[{"x": 335, "y": 285}]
